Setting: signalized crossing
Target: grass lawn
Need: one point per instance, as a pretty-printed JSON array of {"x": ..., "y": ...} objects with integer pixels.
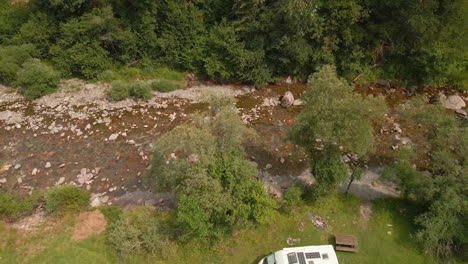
[{"x": 244, "y": 247}]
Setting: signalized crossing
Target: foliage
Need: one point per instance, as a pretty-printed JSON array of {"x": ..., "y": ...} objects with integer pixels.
[
  {"x": 204, "y": 164},
  {"x": 66, "y": 198},
  {"x": 335, "y": 115},
  {"x": 255, "y": 41},
  {"x": 12, "y": 206},
  {"x": 165, "y": 86},
  {"x": 136, "y": 232},
  {"x": 293, "y": 197},
  {"x": 334, "y": 119},
  {"x": 141, "y": 90},
  {"x": 40, "y": 30},
  {"x": 444, "y": 194},
  {"x": 111, "y": 213},
  {"x": 11, "y": 59},
  {"x": 35, "y": 79},
  {"x": 106, "y": 76},
  {"x": 328, "y": 170},
  {"x": 120, "y": 90}
]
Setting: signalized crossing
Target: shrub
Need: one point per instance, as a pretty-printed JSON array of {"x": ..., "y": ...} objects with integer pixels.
[
  {"x": 106, "y": 76},
  {"x": 136, "y": 232},
  {"x": 141, "y": 90},
  {"x": 12, "y": 206},
  {"x": 11, "y": 58},
  {"x": 119, "y": 91},
  {"x": 66, "y": 198},
  {"x": 165, "y": 85},
  {"x": 36, "y": 79},
  {"x": 293, "y": 197},
  {"x": 111, "y": 213},
  {"x": 129, "y": 73},
  {"x": 168, "y": 74}
]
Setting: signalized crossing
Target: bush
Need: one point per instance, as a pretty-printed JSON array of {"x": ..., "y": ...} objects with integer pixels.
[
  {"x": 293, "y": 197},
  {"x": 141, "y": 90},
  {"x": 120, "y": 91},
  {"x": 129, "y": 73},
  {"x": 136, "y": 232},
  {"x": 11, "y": 206},
  {"x": 66, "y": 198},
  {"x": 36, "y": 79},
  {"x": 165, "y": 85},
  {"x": 11, "y": 58},
  {"x": 106, "y": 76},
  {"x": 168, "y": 74},
  {"x": 111, "y": 213}
]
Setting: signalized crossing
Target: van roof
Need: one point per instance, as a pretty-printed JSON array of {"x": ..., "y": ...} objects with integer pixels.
[{"x": 324, "y": 254}]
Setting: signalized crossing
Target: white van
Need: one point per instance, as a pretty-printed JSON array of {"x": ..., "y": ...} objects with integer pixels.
[{"x": 303, "y": 255}]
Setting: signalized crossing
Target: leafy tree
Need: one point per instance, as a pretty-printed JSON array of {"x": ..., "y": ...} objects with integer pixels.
[
  {"x": 81, "y": 49},
  {"x": 203, "y": 163},
  {"x": 334, "y": 119},
  {"x": 40, "y": 29},
  {"x": 444, "y": 194},
  {"x": 35, "y": 79},
  {"x": 11, "y": 59}
]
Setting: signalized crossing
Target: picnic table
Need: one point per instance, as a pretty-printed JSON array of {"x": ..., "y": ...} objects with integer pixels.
[{"x": 346, "y": 243}]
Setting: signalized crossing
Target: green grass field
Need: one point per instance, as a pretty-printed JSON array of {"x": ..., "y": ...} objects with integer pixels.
[{"x": 244, "y": 247}]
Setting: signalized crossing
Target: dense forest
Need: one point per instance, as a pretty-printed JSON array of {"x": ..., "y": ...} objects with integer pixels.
[
  {"x": 338, "y": 50},
  {"x": 421, "y": 42}
]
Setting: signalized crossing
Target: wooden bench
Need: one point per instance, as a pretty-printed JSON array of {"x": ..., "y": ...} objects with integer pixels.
[{"x": 346, "y": 243}]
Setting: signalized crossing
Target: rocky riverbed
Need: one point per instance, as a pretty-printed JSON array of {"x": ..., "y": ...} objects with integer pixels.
[{"x": 79, "y": 136}]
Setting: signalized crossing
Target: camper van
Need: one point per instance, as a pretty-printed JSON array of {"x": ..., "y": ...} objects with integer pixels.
[{"x": 302, "y": 255}]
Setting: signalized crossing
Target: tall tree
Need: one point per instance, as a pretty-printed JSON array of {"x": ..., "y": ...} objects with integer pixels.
[{"x": 334, "y": 120}]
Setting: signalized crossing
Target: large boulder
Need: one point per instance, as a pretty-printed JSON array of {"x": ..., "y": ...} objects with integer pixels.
[
  {"x": 287, "y": 100},
  {"x": 454, "y": 102}
]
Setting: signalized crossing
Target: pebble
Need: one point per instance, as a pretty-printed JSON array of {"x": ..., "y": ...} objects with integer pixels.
[
  {"x": 34, "y": 172},
  {"x": 113, "y": 136},
  {"x": 17, "y": 166},
  {"x": 47, "y": 165},
  {"x": 268, "y": 166}
]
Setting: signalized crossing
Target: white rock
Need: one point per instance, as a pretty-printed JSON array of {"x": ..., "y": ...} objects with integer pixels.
[
  {"x": 95, "y": 202},
  {"x": 47, "y": 165},
  {"x": 17, "y": 166},
  {"x": 104, "y": 199},
  {"x": 268, "y": 166},
  {"x": 298, "y": 102},
  {"x": 34, "y": 172},
  {"x": 454, "y": 102},
  {"x": 113, "y": 136},
  {"x": 3, "y": 180},
  {"x": 60, "y": 181},
  {"x": 287, "y": 100},
  {"x": 131, "y": 142}
]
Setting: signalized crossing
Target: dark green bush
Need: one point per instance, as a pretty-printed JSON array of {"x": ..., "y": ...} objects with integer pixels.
[
  {"x": 66, "y": 198},
  {"x": 140, "y": 90},
  {"x": 293, "y": 197},
  {"x": 165, "y": 85},
  {"x": 12, "y": 206},
  {"x": 120, "y": 91},
  {"x": 36, "y": 79}
]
